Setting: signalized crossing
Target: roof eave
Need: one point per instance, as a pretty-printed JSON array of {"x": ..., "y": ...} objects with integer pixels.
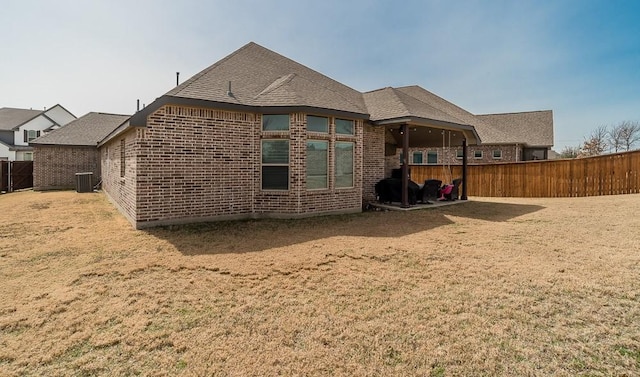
[
  {"x": 31, "y": 143},
  {"x": 467, "y": 129},
  {"x": 122, "y": 128},
  {"x": 139, "y": 119}
]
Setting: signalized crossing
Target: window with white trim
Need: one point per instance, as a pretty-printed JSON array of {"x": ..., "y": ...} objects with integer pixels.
[
  {"x": 417, "y": 158},
  {"x": 275, "y": 164},
  {"x": 497, "y": 154},
  {"x": 30, "y": 135},
  {"x": 432, "y": 157},
  {"x": 344, "y": 164},
  {"x": 459, "y": 154},
  {"x": 477, "y": 154},
  {"x": 317, "y": 164},
  {"x": 28, "y": 156}
]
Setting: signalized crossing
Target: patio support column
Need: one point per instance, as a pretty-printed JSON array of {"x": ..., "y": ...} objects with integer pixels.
[
  {"x": 464, "y": 170},
  {"x": 405, "y": 165}
]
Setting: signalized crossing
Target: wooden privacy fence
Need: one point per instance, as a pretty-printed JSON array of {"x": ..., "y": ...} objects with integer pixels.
[
  {"x": 15, "y": 175},
  {"x": 592, "y": 176}
]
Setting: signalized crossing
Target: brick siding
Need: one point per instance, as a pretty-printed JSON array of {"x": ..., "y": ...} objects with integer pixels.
[
  {"x": 121, "y": 190},
  {"x": 374, "y": 161},
  {"x": 55, "y": 167},
  {"x": 199, "y": 164},
  {"x": 510, "y": 153}
]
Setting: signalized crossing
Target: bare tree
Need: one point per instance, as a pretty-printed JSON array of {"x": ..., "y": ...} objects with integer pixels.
[
  {"x": 570, "y": 152},
  {"x": 630, "y": 134},
  {"x": 615, "y": 137},
  {"x": 596, "y": 143}
]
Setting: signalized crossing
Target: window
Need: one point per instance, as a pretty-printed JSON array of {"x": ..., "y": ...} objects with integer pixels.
[
  {"x": 417, "y": 158},
  {"x": 317, "y": 124},
  {"x": 344, "y": 164},
  {"x": 497, "y": 154},
  {"x": 122, "y": 158},
  {"x": 432, "y": 157},
  {"x": 317, "y": 164},
  {"x": 534, "y": 154},
  {"x": 275, "y": 164},
  {"x": 477, "y": 154},
  {"x": 344, "y": 127},
  {"x": 459, "y": 154},
  {"x": 279, "y": 122},
  {"x": 28, "y": 156},
  {"x": 30, "y": 135}
]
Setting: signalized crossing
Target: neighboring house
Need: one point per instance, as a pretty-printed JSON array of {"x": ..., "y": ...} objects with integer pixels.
[
  {"x": 71, "y": 149},
  {"x": 530, "y": 134},
  {"x": 259, "y": 135},
  {"x": 508, "y": 137},
  {"x": 20, "y": 126}
]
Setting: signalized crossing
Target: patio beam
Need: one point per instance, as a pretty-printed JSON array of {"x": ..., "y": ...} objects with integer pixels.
[{"x": 405, "y": 165}]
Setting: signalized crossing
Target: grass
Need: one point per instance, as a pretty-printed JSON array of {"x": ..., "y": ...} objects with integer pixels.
[{"x": 508, "y": 287}]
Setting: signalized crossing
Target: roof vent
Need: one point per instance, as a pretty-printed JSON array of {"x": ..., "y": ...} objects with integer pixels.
[{"x": 229, "y": 93}]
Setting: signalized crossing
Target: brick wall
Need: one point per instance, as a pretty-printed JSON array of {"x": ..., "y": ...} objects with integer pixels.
[
  {"x": 195, "y": 164},
  {"x": 373, "y": 165},
  {"x": 55, "y": 167},
  {"x": 510, "y": 153},
  {"x": 298, "y": 199},
  {"x": 121, "y": 189}
]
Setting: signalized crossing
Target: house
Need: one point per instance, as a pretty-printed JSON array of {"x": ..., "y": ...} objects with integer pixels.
[
  {"x": 20, "y": 126},
  {"x": 508, "y": 137},
  {"x": 60, "y": 154},
  {"x": 528, "y": 134},
  {"x": 259, "y": 135}
]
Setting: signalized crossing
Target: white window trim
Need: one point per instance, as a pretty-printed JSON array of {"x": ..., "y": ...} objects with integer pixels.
[
  {"x": 427, "y": 159},
  {"x": 493, "y": 154},
  {"x": 417, "y": 163},
  {"x": 478, "y": 157}
]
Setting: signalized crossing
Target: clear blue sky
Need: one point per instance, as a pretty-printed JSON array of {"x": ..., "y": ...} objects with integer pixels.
[{"x": 579, "y": 58}]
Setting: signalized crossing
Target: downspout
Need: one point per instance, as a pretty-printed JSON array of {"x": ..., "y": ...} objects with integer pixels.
[{"x": 405, "y": 166}]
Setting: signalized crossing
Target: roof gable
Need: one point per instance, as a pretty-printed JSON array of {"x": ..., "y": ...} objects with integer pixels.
[
  {"x": 484, "y": 130},
  {"x": 11, "y": 118},
  {"x": 392, "y": 103},
  {"x": 256, "y": 76},
  {"x": 88, "y": 130}
]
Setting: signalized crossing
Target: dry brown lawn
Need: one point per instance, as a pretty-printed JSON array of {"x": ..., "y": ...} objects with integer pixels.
[{"x": 491, "y": 287}]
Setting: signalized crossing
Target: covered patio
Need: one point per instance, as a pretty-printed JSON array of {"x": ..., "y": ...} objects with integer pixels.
[{"x": 420, "y": 119}]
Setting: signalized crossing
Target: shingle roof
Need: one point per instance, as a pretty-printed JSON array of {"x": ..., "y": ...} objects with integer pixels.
[
  {"x": 86, "y": 130},
  {"x": 11, "y": 118},
  {"x": 533, "y": 128},
  {"x": 261, "y": 77},
  {"x": 484, "y": 130},
  {"x": 392, "y": 103}
]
